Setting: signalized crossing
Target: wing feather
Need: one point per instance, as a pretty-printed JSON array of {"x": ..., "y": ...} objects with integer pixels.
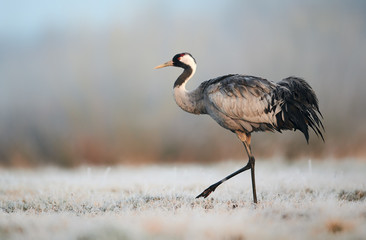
[{"x": 244, "y": 98}]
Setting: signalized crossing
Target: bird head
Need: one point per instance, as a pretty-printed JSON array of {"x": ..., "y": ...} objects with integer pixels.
[{"x": 183, "y": 60}]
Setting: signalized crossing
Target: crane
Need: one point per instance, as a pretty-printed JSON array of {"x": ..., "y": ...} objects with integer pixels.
[{"x": 244, "y": 104}]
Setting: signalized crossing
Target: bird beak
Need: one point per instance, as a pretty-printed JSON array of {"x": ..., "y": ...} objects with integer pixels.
[{"x": 167, "y": 64}]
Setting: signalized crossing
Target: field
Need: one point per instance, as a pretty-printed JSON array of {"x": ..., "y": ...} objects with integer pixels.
[{"x": 300, "y": 200}]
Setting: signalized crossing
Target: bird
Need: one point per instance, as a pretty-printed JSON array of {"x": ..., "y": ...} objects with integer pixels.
[{"x": 245, "y": 104}]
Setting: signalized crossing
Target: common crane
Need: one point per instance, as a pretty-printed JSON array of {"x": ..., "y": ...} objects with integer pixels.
[{"x": 244, "y": 104}]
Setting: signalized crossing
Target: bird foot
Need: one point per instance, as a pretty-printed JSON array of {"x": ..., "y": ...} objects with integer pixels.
[{"x": 208, "y": 191}]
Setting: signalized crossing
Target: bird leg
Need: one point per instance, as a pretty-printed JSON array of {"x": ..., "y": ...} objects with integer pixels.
[
  {"x": 252, "y": 163},
  {"x": 212, "y": 188},
  {"x": 246, "y": 139}
]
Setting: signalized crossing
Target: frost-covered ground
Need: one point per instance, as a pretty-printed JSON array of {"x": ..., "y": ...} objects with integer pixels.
[{"x": 302, "y": 200}]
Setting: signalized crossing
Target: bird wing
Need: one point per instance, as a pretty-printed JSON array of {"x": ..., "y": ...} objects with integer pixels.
[{"x": 245, "y": 98}]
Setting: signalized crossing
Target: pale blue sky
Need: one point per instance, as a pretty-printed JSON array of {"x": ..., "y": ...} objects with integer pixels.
[{"x": 21, "y": 18}]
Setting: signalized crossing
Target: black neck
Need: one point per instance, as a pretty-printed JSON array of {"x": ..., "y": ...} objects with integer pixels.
[{"x": 184, "y": 76}]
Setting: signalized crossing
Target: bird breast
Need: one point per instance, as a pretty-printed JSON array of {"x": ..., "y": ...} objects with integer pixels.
[{"x": 189, "y": 101}]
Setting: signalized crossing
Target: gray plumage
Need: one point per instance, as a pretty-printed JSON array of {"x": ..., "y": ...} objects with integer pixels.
[
  {"x": 245, "y": 104},
  {"x": 250, "y": 104}
]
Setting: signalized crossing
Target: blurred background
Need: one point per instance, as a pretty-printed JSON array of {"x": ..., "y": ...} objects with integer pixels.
[{"x": 77, "y": 84}]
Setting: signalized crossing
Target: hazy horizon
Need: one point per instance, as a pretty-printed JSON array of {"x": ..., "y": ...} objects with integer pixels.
[{"x": 77, "y": 83}]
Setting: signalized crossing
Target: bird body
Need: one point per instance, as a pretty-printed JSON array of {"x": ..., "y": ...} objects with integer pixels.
[
  {"x": 249, "y": 104},
  {"x": 244, "y": 104}
]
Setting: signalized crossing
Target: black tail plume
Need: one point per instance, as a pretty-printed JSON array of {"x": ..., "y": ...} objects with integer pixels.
[{"x": 299, "y": 105}]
